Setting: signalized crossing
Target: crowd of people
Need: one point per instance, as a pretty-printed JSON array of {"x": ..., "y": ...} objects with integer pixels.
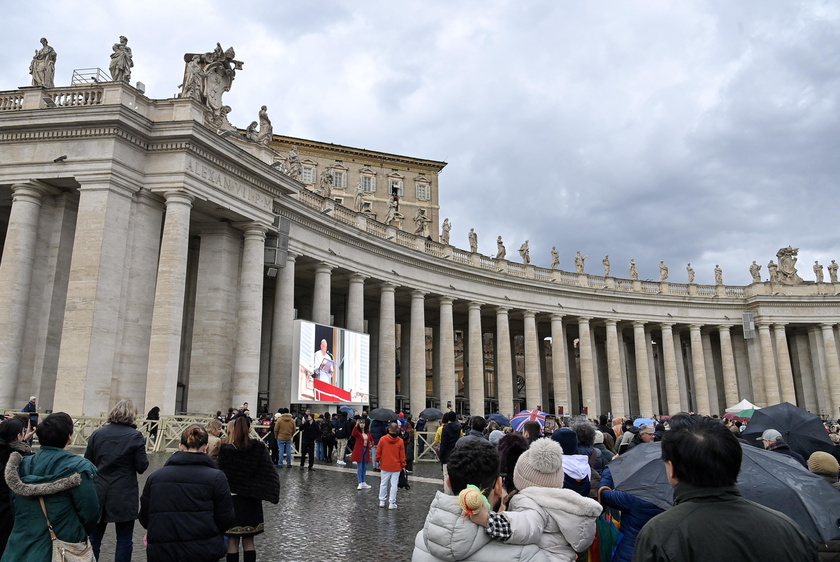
[{"x": 532, "y": 494}]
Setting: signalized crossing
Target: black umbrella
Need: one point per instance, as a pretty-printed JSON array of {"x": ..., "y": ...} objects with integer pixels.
[
  {"x": 767, "y": 478},
  {"x": 803, "y": 431},
  {"x": 383, "y": 414},
  {"x": 431, "y": 414}
]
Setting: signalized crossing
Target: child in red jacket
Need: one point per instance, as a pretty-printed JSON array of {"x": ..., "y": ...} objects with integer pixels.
[{"x": 390, "y": 454}]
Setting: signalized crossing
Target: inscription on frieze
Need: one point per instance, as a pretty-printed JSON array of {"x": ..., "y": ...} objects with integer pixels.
[{"x": 229, "y": 184}]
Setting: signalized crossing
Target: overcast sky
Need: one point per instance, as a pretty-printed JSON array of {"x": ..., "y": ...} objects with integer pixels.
[{"x": 685, "y": 131}]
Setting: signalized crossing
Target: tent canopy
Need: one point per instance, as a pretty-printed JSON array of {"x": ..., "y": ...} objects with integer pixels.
[{"x": 742, "y": 405}]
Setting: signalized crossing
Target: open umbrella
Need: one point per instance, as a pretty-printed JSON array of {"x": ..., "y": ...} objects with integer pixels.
[
  {"x": 499, "y": 419},
  {"x": 348, "y": 410},
  {"x": 639, "y": 421},
  {"x": 431, "y": 414},
  {"x": 770, "y": 479},
  {"x": 517, "y": 421},
  {"x": 748, "y": 413},
  {"x": 802, "y": 431},
  {"x": 383, "y": 414}
]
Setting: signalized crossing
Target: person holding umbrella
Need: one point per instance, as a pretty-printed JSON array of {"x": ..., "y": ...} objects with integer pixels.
[
  {"x": 702, "y": 462},
  {"x": 773, "y": 441}
]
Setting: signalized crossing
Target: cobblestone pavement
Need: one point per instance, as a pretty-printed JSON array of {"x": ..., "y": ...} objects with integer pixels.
[{"x": 323, "y": 517}]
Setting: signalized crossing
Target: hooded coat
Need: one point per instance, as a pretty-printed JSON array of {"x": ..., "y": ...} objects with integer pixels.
[
  {"x": 65, "y": 480},
  {"x": 448, "y": 536}
]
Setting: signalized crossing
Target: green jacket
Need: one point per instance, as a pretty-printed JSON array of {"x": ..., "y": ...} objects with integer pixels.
[
  {"x": 65, "y": 481},
  {"x": 719, "y": 524}
]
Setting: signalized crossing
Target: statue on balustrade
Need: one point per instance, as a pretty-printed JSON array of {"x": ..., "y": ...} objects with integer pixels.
[
  {"x": 251, "y": 133},
  {"x": 501, "y": 251},
  {"x": 326, "y": 183},
  {"x": 606, "y": 263},
  {"x": 579, "y": 261},
  {"x": 295, "y": 167},
  {"x": 818, "y": 271},
  {"x": 525, "y": 253},
  {"x": 121, "y": 61},
  {"x": 445, "y": 229},
  {"x": 421, "y": 223},
  {"x": 266, "y": 130},
  {"x": 773, "y": 270},
  {"x": 473, "y": 237},
  {"x": 634, "y": 274},
  {"x": 555, "y": 258},
  {"x": 787, "y": 266},
  {"x": 42, "y": 67},
  {"x": 690, "y": 271},
  {"x": 718, "y": 275},
  {"x": 359, "y": 198},
  {"x": 832, "y": 271},
  {"x": 207, "y": 76},
  {"x": 663, "y": 271},
  {"x": 755, "y": 271}
]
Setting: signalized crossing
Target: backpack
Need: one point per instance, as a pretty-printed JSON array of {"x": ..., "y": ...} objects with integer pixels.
[{"x": 341, "y": 431}]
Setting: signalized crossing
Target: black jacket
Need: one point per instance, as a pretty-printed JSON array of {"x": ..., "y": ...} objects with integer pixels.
[
  {"x": 186, "y": 506},
  {"x": 310, "y": 431},
  {"x": 250, "y": 471},
  {"x": 119, "y": 453},
  {"x": 449, "y": 435}
]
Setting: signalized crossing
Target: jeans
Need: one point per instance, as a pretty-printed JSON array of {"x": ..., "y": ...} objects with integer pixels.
[
  {"x": 285, "y": 450},
  {"x": 361, "y": 466},
  {"x": 307, "y": 448},
  {"x": 373, "y": 456},
  {"x": 392, "y": 478},
  {"x": 125, "y": 532},
  {"x": 319, "y": 450}
]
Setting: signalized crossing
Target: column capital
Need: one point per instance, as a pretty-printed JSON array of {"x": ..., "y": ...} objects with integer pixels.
[
  {"x": 529, "y": 314},
  {"x": 417, "y": 294},
  {"x": 666, "y": 325},
  {"x": 502, "y": 310},
  {"x": 177, "y": 196},
  {"x": 557, "y": 316},
  {"x": 694, "y": 327},
  {"x": 473, "y": 305},
  {"x": 639, "y": 324},
  {"x": 779, "y": 325},
  {"x": 827, "y": 325},
  {"x": 724, "y": 328},
  {"x": 323, "y": 267},
  {"x": 33, "y": 190},
  {"x": 583, "y": 320},
  {"x": 445, "y": 301},
  {"x": 763, "y": 324},
  {"x": 252, "y": 229},
  {"x": 610, "y": 322},
  {"x": 357, "y": 278},
  {"x": 388, "y": 287}
]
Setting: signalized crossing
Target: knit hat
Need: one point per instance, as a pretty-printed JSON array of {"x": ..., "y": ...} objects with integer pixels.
[
  {"x": 567, "y": 438},
  {"x": 400, "y": 415},
  {"x": 823, "y": 463},
  {"x": 541, "y": 465},
  {"x": 495, "y": 436},
  {"x": 599, "y": 437}
]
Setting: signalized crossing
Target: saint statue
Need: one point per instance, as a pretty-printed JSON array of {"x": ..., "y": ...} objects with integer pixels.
[
  {"x": 393, "y": 209},
  {"x": 473, "y": 237},
  {"x": 579, "y": 262},
  {"x": 446, "y": 228},
  {"x": 773, "y": 269},
  {"x": 755, "y": 271},
  {"x": 525, "y": 253},
  {"x": 193, "y": 86},
  {"x": 266, "y": 131},
  {"x": 421, "y": 222},
  {"x": 325, "y": 186},
  {"x": 501, "y": 251},
  {"x": 606, "y": 262},
  {"x": 663, "y": 271},
  {"x": 555, "y": 258},
  {"x": 818, "y": 271},
  {"x": 42, "y": 67},
  {"x": 690, "y": 271},
  {"x": 718, "y": 275},
  {"x": 251, "y": 132},
  {"x": 634, "y": 275},
  {"x": 121, "y": 61},
  {"x": 832, "y": 271},
  {"x": 359, "y": 198},
  {"x": 295, "y": 166}
]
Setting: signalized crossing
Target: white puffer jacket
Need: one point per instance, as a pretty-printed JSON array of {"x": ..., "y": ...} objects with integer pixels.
[
  {"x": 448, "y": 536},
  {"x": 561, "y": 522}
]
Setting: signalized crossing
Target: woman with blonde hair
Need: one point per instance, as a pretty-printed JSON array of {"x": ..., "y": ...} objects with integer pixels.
[
  {"x": 119, "y": 452},
  {"x": 214, "y": 443},
  {"x": 252, "y": 478}
]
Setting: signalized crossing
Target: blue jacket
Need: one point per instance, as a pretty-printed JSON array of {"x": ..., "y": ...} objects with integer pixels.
[
  {"x": 635, "y": 512},
  {"x": 378, "y": 429}
]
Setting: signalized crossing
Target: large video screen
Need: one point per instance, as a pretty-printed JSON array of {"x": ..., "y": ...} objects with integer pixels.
[{"x": 333, "y": 365}]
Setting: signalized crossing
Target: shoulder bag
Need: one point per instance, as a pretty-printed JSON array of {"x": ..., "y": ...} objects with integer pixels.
[{"x": 67, "y": 551}]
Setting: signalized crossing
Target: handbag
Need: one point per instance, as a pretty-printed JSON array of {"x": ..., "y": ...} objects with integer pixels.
[
  {"x": 403, "y": 480},
  {"x": 63, "y": 551}
]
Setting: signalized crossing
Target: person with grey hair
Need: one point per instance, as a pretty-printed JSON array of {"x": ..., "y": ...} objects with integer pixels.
[
  {"x": 773, "y": 441},
  {"x": 119, "y": 452}
]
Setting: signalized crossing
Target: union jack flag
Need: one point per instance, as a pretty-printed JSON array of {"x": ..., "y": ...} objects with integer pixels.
[{"x": 519, "y": 419}]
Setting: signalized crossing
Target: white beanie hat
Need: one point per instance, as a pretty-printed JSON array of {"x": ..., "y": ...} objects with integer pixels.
[{"x": 541, "y": 466}]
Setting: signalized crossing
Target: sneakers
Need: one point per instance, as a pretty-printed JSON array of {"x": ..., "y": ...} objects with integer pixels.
[
  {"x": 392, "y": 506},
  {"x": 382, "y": 504},
  {"x": 360, "y": 486},
  {"x": 342, "y": 463},
  {"x": 364, "y": 486}
]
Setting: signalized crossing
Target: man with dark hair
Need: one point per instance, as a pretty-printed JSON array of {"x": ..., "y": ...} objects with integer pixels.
[
  {"x": 531, "y": 430},
  {"x": 477, "y": 425},
  {"x": 447, "y": 535},
  {"x": 449, "y": 436},
  {"x": 702, "y": 462},
  {"x": 603, "y": 427}
]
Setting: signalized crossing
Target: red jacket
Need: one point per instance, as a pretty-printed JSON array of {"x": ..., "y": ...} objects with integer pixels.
[
  {"x": 390, "y": 453},
  {"x": 358, "y": 445}
]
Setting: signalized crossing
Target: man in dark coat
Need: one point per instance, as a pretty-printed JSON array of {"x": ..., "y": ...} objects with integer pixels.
[
  {"x": 710, "y": 519},
  {"x": 773, "y": 441},
  {"x": 449, "y": 436},
  {"x": 309, "y": 431}
]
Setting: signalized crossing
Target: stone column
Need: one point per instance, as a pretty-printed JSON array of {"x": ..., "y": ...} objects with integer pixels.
[
  {"x": 587, "y": 368},
  {"x": 475, "y": 360},
  {"x": 559, "y": 364},
  {"x": 447, "y": 354},
  {"x": 417, "y": 383},
  {"x": 356, "y": 303},
  {"x": 246, "y": 366},
  {"x": 504, "y": 366},
  {"x": 832, "y": 364},
  {"x": 321, "y": 296},
  {"x": 282, "y": 334},
  {"x": 168, "y": 315},
  {"x": 698, "y": 364},
  {"x": 533, "y": 377},
  {"x": 16, "y": 279},
  {"x": 387, "y": 344},
  {"x": 617, "y": 405},
  {"x": 768, "y": 365},
  {"x": 642, "y": 370},
  {"x": 727, "y": 359},
  {"x": 669, "y": 364},
  {"x": 788, "y": 394}
]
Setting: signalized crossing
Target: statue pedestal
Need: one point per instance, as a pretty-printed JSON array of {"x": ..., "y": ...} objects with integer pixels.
[
  {"x": 583, "y": 279},
  {"x": 692, "y": 288},
  {"x": 609, "y": 282},
  {"x": 665, "y": 287},
  {"x": 720, "y": 290},
  {"x": 637, "y": 286}
]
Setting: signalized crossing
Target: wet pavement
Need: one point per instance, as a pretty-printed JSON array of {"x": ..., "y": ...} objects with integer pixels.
[{"x": 323, "y": 517}]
